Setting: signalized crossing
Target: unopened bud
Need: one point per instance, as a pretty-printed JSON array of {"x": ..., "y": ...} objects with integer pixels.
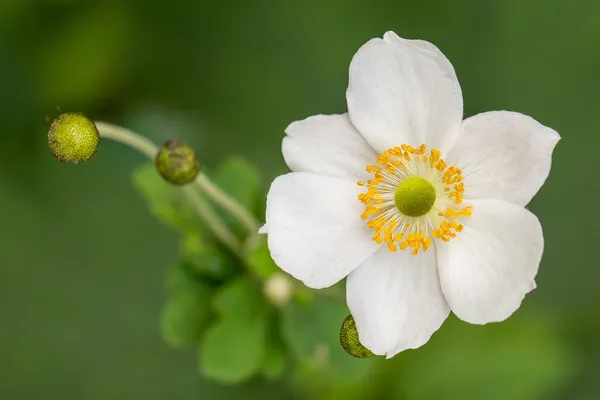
[
  {"x": 73, "y": 138},
  {"x": 349, "y": 340},
  {"x": 278, "y": 289},
  {"x": 177, "y": 163}
]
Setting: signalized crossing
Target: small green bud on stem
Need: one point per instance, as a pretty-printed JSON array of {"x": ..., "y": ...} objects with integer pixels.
[
  {"x": 177, "y": 163},
  {"x": 73, "y": 138},
  {"x": 349, "y": 340}
]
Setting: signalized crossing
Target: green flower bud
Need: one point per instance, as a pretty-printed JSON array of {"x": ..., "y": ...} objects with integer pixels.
[
  {"x": 73, "y": 138},
  {"x": 177, "y": 162},
  {"x": 349, "y": 340}
]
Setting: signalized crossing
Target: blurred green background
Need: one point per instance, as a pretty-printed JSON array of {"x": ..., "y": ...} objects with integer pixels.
[{"x": 82, "y": 261}]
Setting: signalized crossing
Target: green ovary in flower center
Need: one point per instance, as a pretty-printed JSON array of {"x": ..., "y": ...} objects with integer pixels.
[{"x": 415, "y": 197}]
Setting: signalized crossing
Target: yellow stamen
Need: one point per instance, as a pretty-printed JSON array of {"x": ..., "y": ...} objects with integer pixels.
[{"x": 398, "y": 230}]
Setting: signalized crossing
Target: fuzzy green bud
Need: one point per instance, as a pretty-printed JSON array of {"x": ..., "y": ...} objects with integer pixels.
[
  {"x": 73, "y": 138},
  {"x": 349, "y": 340},
  {"x": 177, "y": 162}
]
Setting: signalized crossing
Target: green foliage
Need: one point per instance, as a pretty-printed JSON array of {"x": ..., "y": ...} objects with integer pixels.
[
  {"x": 186, "y": 313},
  {"x": 235, "y": 175},
  {"x": 164, "y": 200},
  {"x": 312, "y": 332},
  {"x": 260, "y": 261},
  {"x": 234, "y": 349},
  {"x": 240, "y": 343},
  {"x": 206, "y": 256},
  {"x": 241, "y": 180},
  {"x": 274, "y": 361},
  {"x": 198, "y": 247},
  {"x": 240, "y": 298}
]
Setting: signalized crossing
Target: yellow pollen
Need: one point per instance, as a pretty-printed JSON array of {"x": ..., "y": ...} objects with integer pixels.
[{"x": 405, "y": 178}]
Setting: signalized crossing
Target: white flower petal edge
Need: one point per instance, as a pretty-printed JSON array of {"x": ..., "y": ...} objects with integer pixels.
[
  {"x": 487, "y": 270},
  {"x": 396, "y": 301},
  {"x": 428, "y": 50},
  {"x": 263, "y": 230},
  {"x": 327, "y": 145},
  {"x": 315, "y": 230},
  {"x": 504, "y": 155},
  {"x": 404, "y": 91}
]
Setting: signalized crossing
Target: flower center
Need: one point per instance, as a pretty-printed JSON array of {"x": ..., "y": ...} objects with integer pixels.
[{"x": 413, "y": 198}]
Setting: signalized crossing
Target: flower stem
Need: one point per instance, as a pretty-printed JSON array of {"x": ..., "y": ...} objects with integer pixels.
[
  {"x": 125, "y": 136},
  {"x": 147, "y": 147},
  {"x": 229, "y": 203},
  {"x": 208, "y": 215}
]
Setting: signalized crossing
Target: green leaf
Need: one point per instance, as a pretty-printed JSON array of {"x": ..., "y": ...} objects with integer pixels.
[
  {"x": 178, "y": 277},
  {"x": 240, "y": 299},
  {"x": 241, "y": 179},
  {"x": 260, "y": 261},
  {"x": 233, "y": 349},
  {"x": 205, "y": 256},
  {"x": 312, "y": 332},
  {"x": 274, "y": 361},
  {"x": 164, "y": 200},
  {"x": 186, "y": 314}
]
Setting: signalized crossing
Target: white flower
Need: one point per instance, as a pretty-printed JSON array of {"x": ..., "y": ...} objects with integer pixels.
[{"x": 437, "y": 222}]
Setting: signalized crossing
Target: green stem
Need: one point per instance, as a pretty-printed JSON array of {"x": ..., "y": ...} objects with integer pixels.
[
  {"x": 208, "y": 215},
  {"x": 204, "y": 210},
  {"x": 230, "y": 204},
  {"x": 127, "y": 137},
  {"x": 148, "y": 148}
]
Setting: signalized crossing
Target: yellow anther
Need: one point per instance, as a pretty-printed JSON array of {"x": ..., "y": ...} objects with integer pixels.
[{"x": 400, "y": 230}]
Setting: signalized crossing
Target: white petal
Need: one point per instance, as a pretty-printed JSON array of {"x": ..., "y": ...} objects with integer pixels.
[
  {"x": 263, "y": 230},
  {"x": 315, "y": 230},
  {"x": 327, "y": 145},
  {"x": 489, "y": 267},
  {"x": 404, "y": 91},
  {"x": 396, "y": 300},
  {"x": 504, "y": 155},
  {"x": 428, "y": 50}
]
